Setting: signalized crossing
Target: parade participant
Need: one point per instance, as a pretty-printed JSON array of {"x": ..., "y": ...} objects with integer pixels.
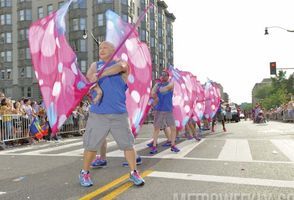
[
  {"x": 220, "y": 117},
  {"x": 163, "y": 127},
  {"x": 101, "y": 161},
  {"x": 164, "y": 111},
  {"x": 109, "y": 115}
]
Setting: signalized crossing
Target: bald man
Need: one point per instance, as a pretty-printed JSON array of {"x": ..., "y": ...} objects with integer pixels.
[{"x": 109, "y": 115}]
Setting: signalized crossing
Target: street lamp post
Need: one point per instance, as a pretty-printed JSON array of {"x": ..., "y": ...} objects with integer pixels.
[
  {"x": 279, "y": 27},
  {"x": 85, "y": 36}
]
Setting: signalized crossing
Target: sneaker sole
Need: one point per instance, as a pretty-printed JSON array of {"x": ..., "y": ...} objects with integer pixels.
[
  {"x": 141, "y": 184},
  {"x": 97, "y": 167},
  {"x": 85, "y": 185},
  {"x": 126, "y": 164}
]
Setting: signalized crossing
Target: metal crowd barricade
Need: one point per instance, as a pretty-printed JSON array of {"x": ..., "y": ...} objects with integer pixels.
[
  {"x": 13, "y": 127},
  {"x": 73, "y": 125}
]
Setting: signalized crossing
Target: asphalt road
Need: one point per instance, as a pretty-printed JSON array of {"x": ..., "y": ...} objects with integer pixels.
[{"x": 249, "y": 161}]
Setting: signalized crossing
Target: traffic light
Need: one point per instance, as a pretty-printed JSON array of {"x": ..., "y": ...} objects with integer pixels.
[{"x": 273, "y": 68}]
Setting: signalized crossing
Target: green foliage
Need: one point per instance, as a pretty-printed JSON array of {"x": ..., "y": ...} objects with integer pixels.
[
  {"x": 246, "y": 106},
  {"x": 277, "y": 93}
]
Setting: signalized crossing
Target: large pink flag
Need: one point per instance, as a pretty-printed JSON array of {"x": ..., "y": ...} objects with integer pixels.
[
  {"x": 63, "y": 85},
  {"x": 55, "y": 64},
  {"x": 199, "y": 100},
  {"x": 212, "y": 99},
  {"x": 137, "y": 54},
  {"x": 181, "y": 101}
]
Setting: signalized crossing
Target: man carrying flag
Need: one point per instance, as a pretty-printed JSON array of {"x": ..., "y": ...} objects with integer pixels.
[
  {"x": 109, "y": 114},
  {"x": 164, "y": 111}
]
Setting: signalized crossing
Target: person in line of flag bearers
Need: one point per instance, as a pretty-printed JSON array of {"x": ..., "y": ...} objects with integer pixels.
[
  {"x": 191, "y": 131},
  {"x": 164, "y": 111},
  {"x": 219, "y": 116},
  {"x": 101, "y": 160},
  {"x": 163, "y": 127},
  {"x": 109, "y": 115}
]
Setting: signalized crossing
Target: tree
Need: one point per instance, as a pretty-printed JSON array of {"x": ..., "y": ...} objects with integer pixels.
[
  {"x": 279, "y": 92},
  {"x": 246, "y": 106}
]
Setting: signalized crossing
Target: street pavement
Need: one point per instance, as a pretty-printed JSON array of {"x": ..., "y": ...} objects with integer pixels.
[{"x": 249, "y": 161}]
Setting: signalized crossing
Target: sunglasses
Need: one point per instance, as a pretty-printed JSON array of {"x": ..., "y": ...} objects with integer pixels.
[{"x": 164, "y": 74}]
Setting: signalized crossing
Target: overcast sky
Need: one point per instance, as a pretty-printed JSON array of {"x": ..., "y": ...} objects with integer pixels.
[{"x": 225, "y": 42}]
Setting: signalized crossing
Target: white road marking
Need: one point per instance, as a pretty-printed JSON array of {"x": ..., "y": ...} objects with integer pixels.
[
  {"x": 236, "y": 149},
  {"x": 223, "y": 179},
  {"x": 286, "y": 147}
]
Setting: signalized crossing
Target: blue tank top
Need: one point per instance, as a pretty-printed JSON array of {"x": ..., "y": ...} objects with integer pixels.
[
  {"x": 113, "y": 99},
  {"x": 165, "y": 102}
]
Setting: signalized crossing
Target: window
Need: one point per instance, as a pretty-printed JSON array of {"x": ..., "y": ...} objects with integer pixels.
[
  {"x": 8, "y": 56},
  {"x": 152, "y": 42},
  {"x": 100, "y": 19},
  {"x": 79, "y": 4},
  {"x": 22, "y": 72},
  {"x": 147, "y": 35},
  {"x": 159, "y": 18},
  {"x": 40, "y": 12},
  {"x": 2, "y": 74},
  {"x": 160, "y": 47},
  {"x": 75, "y": 24},
  {"x": 159, "y": 32},
  {"x": 5, "y": 19},
  {"x": 2, "y": 19},
  {"x": 21, "y": 54},
  {"x": 125, "y": 17},
  {"x": 29, "y": 92},
  {"x": 28, "y": 72},
  {"x": 108, "y": 1},
  {"x": 125, "y": 2},
  {"x": 60, "y": 4},
  {"x": 83, "y": 46},
  {"x": 6, "y": 38},
  {"x": 130, "y": 19},
  {"x": 99, "y": 1},
  {"x": 5, "y": 3},
  {"x": 8, "y": 19},
  {"x": 49, "y": 8},
  {"x": 8, "y": 74},
  {"x": 152, "y": 27},
  {"x": 143, "y": 35},
  {"x": 21, "y": 15},
  {"x": 82, "y": 23},
  {"x": 23, "y": 34},
  {"x": 28, "y": 14},
  {"x": 168, "y": 41},
  {"x": 2, "y": 3},
  {"x": 83, "y": 65},
  {"x": 28, "y": 54},
  {"x": 25, "y": 15},
  {"x": 79, "y": 24}
]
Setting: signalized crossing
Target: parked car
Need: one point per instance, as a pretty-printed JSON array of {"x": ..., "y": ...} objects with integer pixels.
[
  {"x": 234, "y": 112},
  {"x": 242, "y": 116}
]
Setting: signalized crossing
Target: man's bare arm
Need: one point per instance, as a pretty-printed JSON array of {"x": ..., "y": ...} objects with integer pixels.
[
  {"x": 91, "y": 73},
  {"x": 170, "y": 86},
  {"x": 119, "y": 67},
  {"x": 154, "y": 90}
]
